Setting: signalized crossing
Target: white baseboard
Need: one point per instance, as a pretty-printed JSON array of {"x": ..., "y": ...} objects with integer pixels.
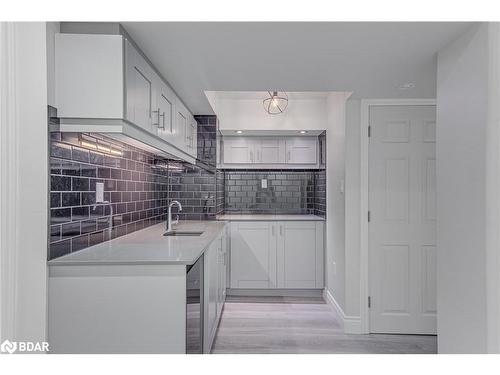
[
  {"x": 275, "y": 292},
  {"x": 350, "y": 323}
]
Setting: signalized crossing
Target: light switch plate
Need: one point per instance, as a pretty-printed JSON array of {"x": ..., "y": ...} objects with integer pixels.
[
  {"x": 264, "y": 183},
  {"x": 99, "y": 192}
]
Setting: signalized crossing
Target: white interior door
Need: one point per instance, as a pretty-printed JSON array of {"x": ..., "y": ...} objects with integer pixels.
[{"x": 402, "y": 227}]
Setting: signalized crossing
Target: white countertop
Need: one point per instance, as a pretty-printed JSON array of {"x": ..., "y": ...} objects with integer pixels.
[
  {"x": 148, "y": 246},
  {"x": 265, "y": 217}
]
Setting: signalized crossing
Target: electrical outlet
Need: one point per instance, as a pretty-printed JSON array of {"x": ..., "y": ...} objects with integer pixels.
[
  {"x": 264, "y": 183},
  {"x": 99, "y": 192}
]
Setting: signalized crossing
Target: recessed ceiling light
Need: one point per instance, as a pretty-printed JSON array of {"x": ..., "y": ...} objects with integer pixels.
[
  {"x": 303, "y": 132},
  {"x": 239, "y": 131},
  {"x": 407, "y": 86}
]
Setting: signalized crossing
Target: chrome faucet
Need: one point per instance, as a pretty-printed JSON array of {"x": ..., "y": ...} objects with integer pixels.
[{"x": 169, "y": 216}]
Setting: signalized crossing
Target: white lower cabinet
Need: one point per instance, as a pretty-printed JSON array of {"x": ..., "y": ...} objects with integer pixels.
[
  {"x": 253, "y": 255},
  {"x": 278, "y": 254},
  {"x": 300, "y": 255},
  {"x": 215, "y": 269}
]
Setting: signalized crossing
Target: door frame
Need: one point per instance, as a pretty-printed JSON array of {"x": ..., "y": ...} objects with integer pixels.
[{"x": 366, "y": 104}]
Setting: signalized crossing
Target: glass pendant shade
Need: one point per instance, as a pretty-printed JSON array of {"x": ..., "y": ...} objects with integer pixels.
[{"x": 276, "y": 103}]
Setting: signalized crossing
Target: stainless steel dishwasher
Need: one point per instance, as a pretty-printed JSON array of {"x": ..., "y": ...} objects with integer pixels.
[{"x": 194, "y": 308}]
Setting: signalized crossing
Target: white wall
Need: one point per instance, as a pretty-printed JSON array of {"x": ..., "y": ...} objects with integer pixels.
[
  {"x": 335, "y": 199},
  {"x": 23, "y": 171},
  {"x": 467, "y": 184},
  {"x": 492, "y": 193},
  {"x": 246, "y": 114},
  {"x": 52, "y": 29},
  {"x": 352, "y": 207}
]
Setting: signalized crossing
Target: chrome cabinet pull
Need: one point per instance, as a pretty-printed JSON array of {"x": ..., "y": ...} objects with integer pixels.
[
  {"x": 272, "y": 230},
  {"x": 281, "y": 230},
  {"x": 163, "y": 120},
  {"x": 157, "y": 117}
]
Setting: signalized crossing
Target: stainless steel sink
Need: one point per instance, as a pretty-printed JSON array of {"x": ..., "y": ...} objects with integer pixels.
[{"x": 181, "y": 233}]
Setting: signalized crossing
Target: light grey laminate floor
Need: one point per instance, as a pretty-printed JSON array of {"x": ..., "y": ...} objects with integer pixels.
[{"x": 301, "y": 325}]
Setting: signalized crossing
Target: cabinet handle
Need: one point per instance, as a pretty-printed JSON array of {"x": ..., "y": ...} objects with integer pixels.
[
  {"x": 157, "y": 117},
  {"x": 281, "y": 230},
  {"x": 272, "y": 230},
  {"x": 163, "y": 120},
  {"x": 288, "y": 159},
  {"x": 251, "y": 156}
]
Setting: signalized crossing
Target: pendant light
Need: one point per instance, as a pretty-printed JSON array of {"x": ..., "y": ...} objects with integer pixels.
[{"x": 276, "y": 103}]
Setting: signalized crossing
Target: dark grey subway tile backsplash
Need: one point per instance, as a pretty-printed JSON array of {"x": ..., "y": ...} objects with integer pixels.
[
  {"x": 135, "y": 184},
  {"x": 287, "y": 191},
  {"x": 195, "y": 189}
]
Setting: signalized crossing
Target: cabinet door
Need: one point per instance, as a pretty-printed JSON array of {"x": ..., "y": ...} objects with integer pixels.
[
  {"x": 223, "y": 271},
  {"x": 139, "y": 89},
  {"x": 180, "y": 122},
  {"x": 221, "y": 295},
  {"x": 194, "y": 139},
  {"x": 89, "y": 76},
  {"x": 269, "y": 151},
  {"x": 191, "y": 136},
  {"x": 163, "y": 111},
  {"x": 301, "y": 150},
  {"x": 253, "y": 255},
  {"x": 300, "y": 255},
  {"x": 238, "y": 150},
  {"x": 210, "y": 295}
]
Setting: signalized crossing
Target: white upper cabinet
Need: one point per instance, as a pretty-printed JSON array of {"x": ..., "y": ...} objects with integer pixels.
[
  {"x": 238, "y": 150},
  {"x": 89, "y": 76},
  {"x": 139, "y": 81},
  {"x": 302, "y": 150},
  {"x": 104, "y": 84},
  {"x": 163, "y": 110},
  {"x": 181, "y": 124},
  {"x": 270, "y": 151},
  {"x": 192, "y": 136}
]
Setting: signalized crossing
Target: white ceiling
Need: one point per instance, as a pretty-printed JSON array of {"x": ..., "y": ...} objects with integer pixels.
[{"x": 370, "y": 59}]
